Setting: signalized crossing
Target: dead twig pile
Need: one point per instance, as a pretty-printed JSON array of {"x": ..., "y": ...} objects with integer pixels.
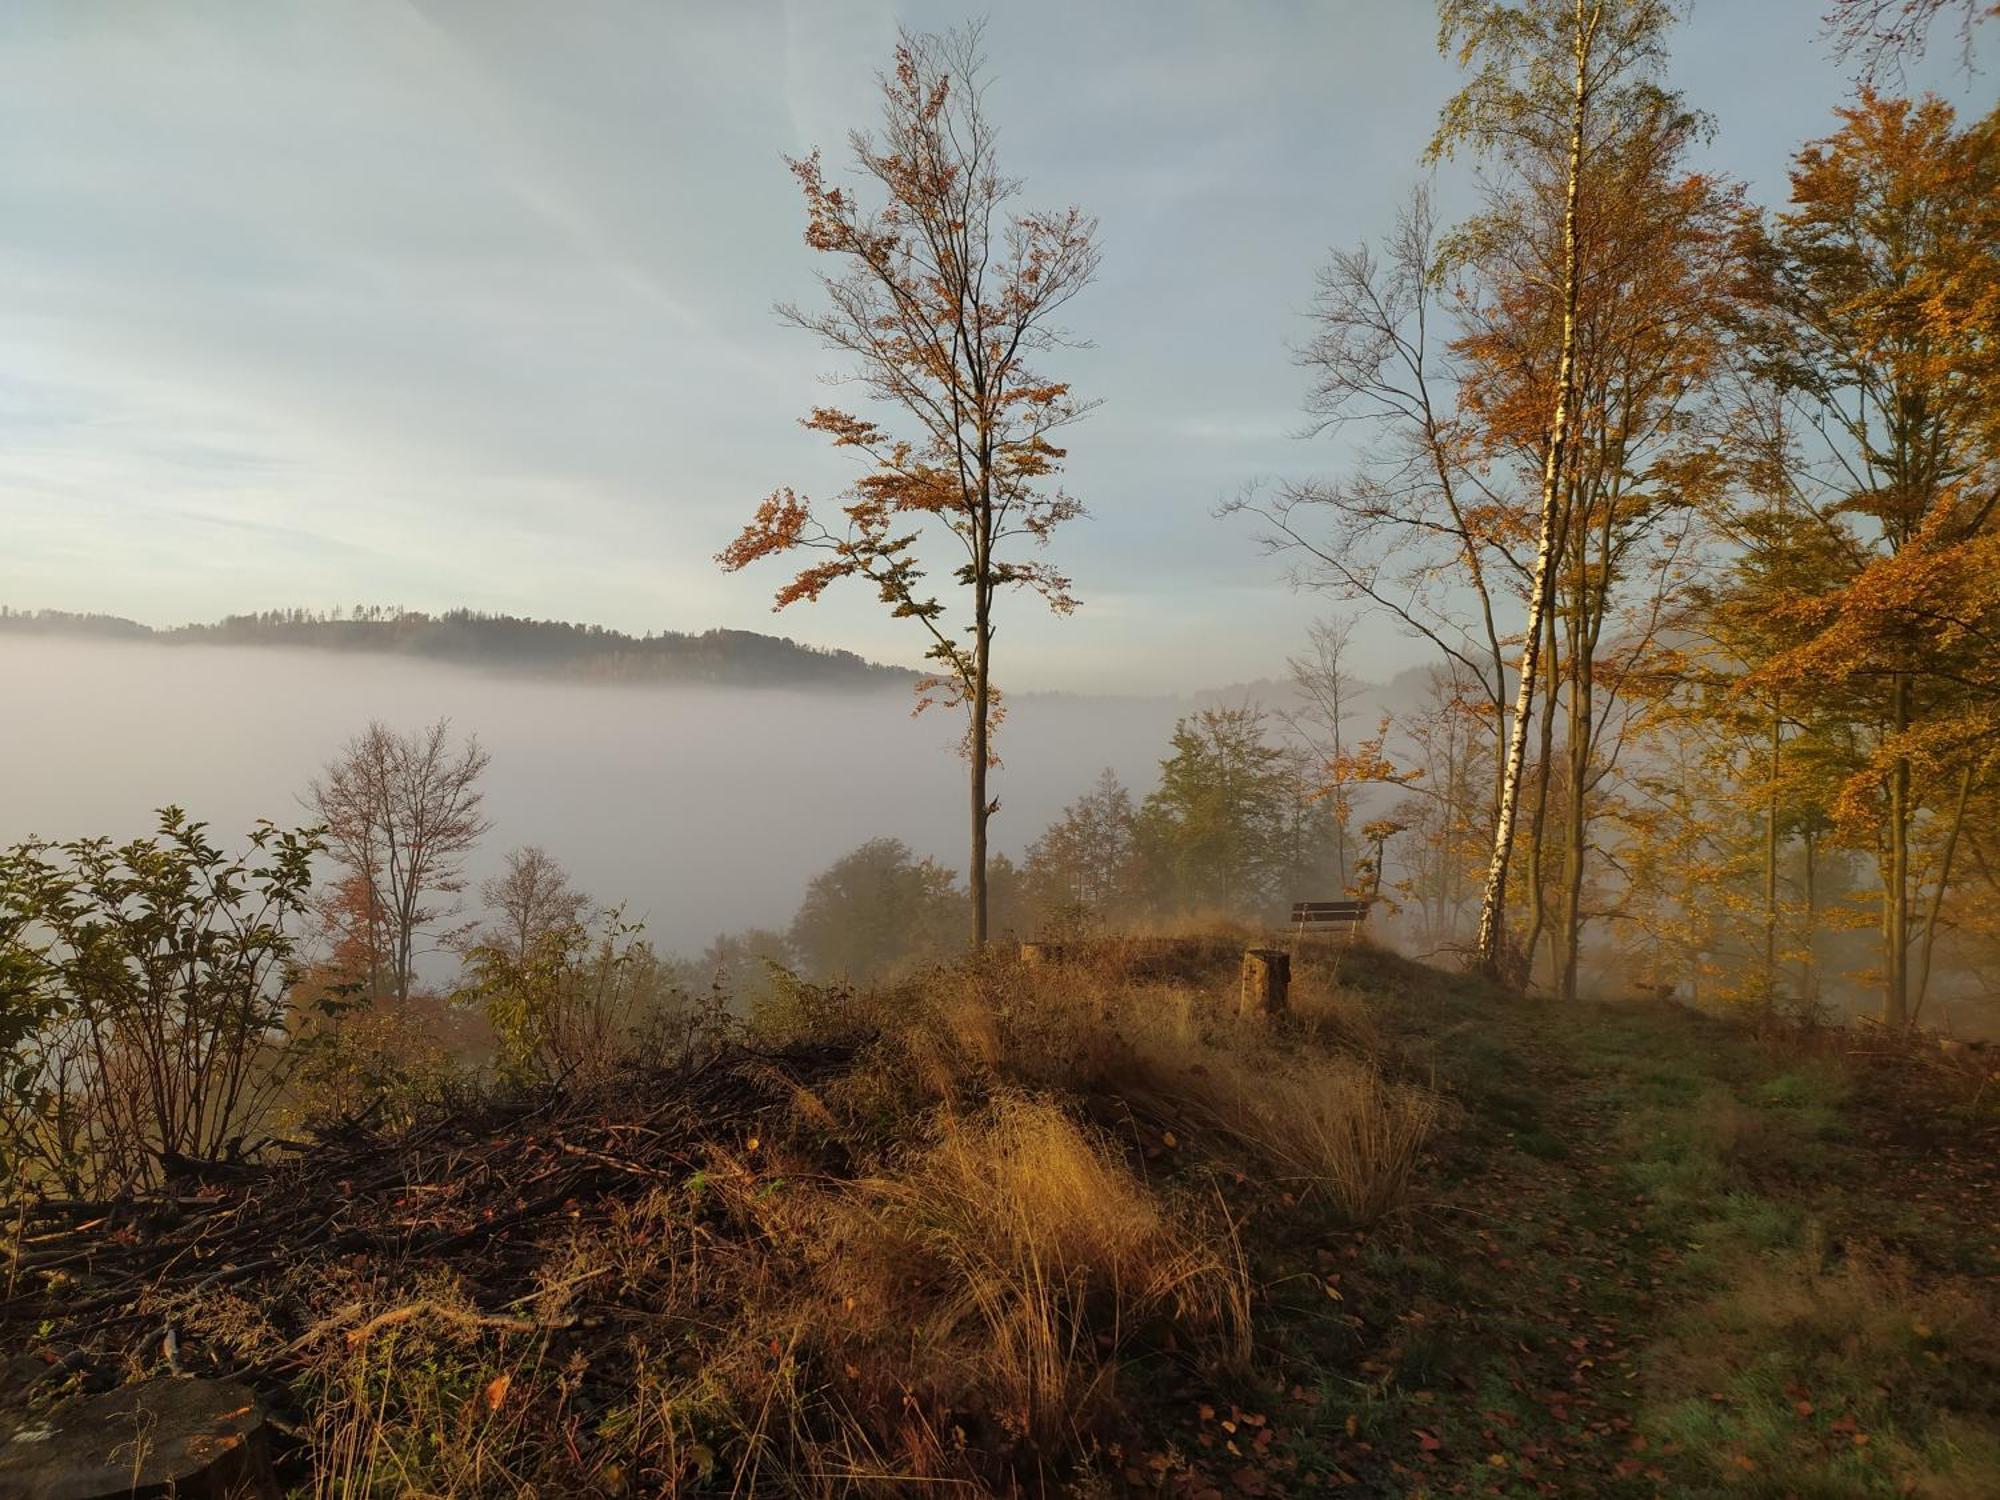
[{"x": 483, "y": 1186}]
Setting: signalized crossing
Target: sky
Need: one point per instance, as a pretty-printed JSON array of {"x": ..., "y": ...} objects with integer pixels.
[{"x": 469, "y": 302}]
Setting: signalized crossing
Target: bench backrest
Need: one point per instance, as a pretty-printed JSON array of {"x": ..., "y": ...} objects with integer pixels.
[{"x": 1312, "y": 913}]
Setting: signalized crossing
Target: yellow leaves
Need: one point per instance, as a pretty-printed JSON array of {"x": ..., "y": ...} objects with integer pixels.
[
  {"x": 778, "y": 525},
  {"x": 846, "y": 429}
]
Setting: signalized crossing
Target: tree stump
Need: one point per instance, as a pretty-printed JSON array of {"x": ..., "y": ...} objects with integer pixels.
[
  {"x": 194, "y": 1439},
  {"x": 1267, "y": 981}
]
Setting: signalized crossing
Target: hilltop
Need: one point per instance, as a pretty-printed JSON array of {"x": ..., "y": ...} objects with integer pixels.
[
  {"x": 1082, "y": 1229},
  {"x": 498, "y": 642}
]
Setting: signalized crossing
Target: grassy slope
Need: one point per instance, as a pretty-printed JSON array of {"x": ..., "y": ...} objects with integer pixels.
[{"x": 1657, "y": 1257}]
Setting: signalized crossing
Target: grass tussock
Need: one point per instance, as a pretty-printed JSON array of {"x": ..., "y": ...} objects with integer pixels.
[
  {"x": 1308, "y": 1104},
  {"x": 1038, "y": 1259},
  {"x": 1331, "y": 1126}
]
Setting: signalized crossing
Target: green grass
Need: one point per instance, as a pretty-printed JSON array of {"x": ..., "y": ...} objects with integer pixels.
[{"x": 1665, "y": 1259}]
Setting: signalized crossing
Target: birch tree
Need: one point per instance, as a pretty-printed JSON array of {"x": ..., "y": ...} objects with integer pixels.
[
  {"x": 1549, "y": 78},
  {"x": 1654, "y": 269}
]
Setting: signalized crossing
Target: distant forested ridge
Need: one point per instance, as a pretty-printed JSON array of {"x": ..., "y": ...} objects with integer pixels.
[{"x": 499, "y": 642}]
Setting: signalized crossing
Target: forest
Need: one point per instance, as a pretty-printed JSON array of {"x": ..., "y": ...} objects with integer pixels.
[{"x": 1641, "y": 1137}]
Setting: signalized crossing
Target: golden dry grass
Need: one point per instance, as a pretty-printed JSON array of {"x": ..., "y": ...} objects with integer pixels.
[
  {"x": 1041, "y": 1256},
  {"x": 965, "y": 1294}
]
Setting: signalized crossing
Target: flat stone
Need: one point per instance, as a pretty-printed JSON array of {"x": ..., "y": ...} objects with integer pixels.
[{"x": 192, "y": 1439}]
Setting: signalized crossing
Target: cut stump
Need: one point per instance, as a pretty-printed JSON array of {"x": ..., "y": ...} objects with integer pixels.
[{"x": 1267, "y": 982}]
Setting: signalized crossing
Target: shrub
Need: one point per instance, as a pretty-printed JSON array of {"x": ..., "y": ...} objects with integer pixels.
[
  {"x": 575, "y": 999},
  {"x": 146, "y": 993}
]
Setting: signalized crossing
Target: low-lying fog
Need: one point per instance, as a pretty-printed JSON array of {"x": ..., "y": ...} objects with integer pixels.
[{"x": 702, "y": 809}]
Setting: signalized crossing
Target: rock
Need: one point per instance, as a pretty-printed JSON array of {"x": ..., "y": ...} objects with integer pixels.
[
  {"x": 190, "y": 1439},
  {"x": 21, "y": 1374}
]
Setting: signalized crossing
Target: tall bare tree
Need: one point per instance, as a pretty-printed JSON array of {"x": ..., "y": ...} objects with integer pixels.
[
  {"x": 401, "y": 813},
  {"x": 1423, "y": 530},
  {"x": 944, "y": 297}
]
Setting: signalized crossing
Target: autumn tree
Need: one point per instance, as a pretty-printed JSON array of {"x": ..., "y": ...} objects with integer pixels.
[
  {"x": 1552, "y": 83},
  {"x": 944, "y": 297},
  {"x": 401, "y": 813},
  {"x": 1880, "y": 321},
  {"x": 1646, "y": 329}
]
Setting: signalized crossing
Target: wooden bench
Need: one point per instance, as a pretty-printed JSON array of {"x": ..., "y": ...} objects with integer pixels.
[{"x": 1308, "y": 916}]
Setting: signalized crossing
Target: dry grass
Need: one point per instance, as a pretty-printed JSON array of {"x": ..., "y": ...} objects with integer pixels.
[
  {"x": 1310, "y": 1103},
  {"x": 1041, "y": 1258},
  {"x": 942, "y": 1269},
  {"x": 1330, "y": 1125}
]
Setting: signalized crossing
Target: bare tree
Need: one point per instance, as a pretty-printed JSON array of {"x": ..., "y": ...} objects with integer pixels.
[
  {"x": 1424, "y": 529},
  {"x": 1318, "y": 722},
  {"x": 401, "y": 813},
  {"x": 530, "y": 899},
  {"x": 1881, "y": 34}
]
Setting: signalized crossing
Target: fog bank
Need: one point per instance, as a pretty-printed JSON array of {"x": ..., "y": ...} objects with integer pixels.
[{"x": 702, "y": 809}]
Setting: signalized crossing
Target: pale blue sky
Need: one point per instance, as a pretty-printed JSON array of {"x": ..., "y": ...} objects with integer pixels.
[{"x": 469, "y": 303}]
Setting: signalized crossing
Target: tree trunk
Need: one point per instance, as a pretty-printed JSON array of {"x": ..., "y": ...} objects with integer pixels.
[
  {"x": 982, "y": 806},
  {"x": 1771, "y": 866},
  {"x": 1493, "y": 904},
  {"x": 1809, "y": 980},
  {"x": 1896, "y": 896},
  {"x": 1580, "y": 709},
  {"x": 1537, "y": 891},
  {"x": 1267, "y": 978},
  {"x": 1936, "y": 906}
]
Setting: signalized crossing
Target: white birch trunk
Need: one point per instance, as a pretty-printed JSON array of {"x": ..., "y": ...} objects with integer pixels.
[{"x": 1493, "y": 905}]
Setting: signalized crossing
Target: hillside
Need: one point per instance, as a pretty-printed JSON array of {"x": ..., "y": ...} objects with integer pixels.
[
  {"x": 1081, "y": 1229},
  {"x": 739, "y": 658}
]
